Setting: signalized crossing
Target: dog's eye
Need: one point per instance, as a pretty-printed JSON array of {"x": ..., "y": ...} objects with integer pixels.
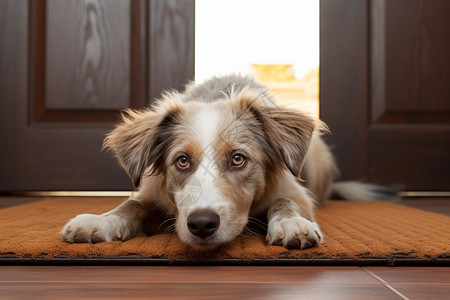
[
  {"x": 183, "y": 162},
  {"x": 238, "y": 160}
]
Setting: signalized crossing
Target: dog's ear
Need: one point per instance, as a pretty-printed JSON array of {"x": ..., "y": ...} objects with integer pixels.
[
  {"x": 289, "y": 132},
  {"x": 286, "y": 132},
  {"x": 141, "y": 140}
]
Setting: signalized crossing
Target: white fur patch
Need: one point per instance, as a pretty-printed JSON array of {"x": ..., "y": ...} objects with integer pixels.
[
  {"x": 201, "y": 190},
  {"x": 95, "y": 228},
  {"x": 295, "y": 232},
  {"x": 205, "y": 124}
]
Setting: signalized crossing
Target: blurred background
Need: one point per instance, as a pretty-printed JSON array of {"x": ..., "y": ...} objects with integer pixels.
[
  {"x": 376, "y": 71},
  {"x": 277, "y": 42}
]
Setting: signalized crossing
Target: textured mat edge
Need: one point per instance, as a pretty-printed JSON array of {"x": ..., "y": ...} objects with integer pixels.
[{"x": 158, "y": 261}]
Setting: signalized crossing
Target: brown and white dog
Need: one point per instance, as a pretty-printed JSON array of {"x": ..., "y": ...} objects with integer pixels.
[{"x": 210, "y": 158}]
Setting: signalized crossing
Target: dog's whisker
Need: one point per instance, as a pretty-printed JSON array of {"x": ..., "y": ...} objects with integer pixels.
[
  {"x": 256, "y": 222},
  {"x": 248, "y": 232},
  {"x": 168, "y": 220},
  {"x": 170, "y": 229}
]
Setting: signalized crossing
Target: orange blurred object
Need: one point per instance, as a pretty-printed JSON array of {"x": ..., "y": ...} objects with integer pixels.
[{"x": 269, "y": 72}]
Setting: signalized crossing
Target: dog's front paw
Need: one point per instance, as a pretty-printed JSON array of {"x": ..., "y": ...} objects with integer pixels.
[
  {"x": 89, "y": 228},
  {"x": 296, "y": 232}
]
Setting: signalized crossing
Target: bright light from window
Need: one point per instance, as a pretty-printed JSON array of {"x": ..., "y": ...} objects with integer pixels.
[{"x": 242, "y": 36}]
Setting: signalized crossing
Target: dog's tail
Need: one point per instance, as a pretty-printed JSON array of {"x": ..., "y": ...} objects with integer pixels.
[{"x": 360, "y": 191}]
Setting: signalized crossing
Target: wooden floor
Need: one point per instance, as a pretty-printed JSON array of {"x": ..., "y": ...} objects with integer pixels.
[
  {"x": 37, "y": 282},
  {"x": 213, "y": 282}
]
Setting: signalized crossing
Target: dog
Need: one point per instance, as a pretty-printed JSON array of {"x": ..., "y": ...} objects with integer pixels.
[{"x": 206, "y": 161}]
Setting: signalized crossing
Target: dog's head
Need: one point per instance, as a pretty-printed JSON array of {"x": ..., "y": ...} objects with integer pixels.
[{"x": 216, "y": 159}]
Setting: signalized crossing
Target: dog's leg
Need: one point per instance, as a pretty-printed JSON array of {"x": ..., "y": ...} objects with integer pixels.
[
  {"x": 121, "y": 223},
  {"x": 288, "y": 227}
]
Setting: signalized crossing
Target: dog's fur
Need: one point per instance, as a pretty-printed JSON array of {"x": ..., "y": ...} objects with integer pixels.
[{"x": 180, "y": 156}]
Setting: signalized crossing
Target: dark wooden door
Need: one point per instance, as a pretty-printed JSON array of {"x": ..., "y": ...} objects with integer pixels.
[
  {"x": 67, "y": 68},
  {"x": 385, "y": 89}
]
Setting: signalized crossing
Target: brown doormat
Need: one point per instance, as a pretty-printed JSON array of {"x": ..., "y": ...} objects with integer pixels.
[{"x": 358, "y": 233}]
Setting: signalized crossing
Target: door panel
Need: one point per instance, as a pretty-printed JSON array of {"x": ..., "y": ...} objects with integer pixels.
[
  {"x": 80, "y": 60},
  {"x": 387, "y": 101},
  {"x": 410, "y": 61},
  {"x": 92, "y": 39},
  {"x": 415, "y": 157},
  {"x": 67, "y": 69},
  {"x": 13, "y": 90},
  {"x": 415, "y": 35},
  {"x": 344, "y": 83},
  {"x": 171, "y": 45}
]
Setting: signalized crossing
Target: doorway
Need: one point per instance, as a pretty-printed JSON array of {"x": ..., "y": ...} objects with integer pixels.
[{"x": 275, "y": 41}]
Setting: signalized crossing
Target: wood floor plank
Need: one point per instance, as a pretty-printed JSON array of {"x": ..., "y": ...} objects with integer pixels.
[
  {"x": 411, "y": 275},
  {"x": 135, "y": 290},
  {"x": 423, "y": 291},
  {"x": 249, "y": 274}
]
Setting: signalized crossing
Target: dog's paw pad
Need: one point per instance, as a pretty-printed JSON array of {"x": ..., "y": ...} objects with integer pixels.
[
  {"x": 295, "y": 233},
  {"x": 89, "y": 228}
]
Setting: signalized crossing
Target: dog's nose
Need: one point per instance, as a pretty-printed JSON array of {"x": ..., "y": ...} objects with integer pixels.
[{"x": 203, "y": 223}]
